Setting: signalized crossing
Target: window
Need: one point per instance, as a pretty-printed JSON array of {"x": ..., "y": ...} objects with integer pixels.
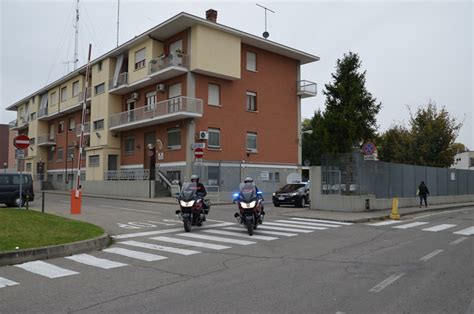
[
  {"x": 75, "y": 88},
  {"x": 94, "y": 161},
  {"x": 99, "y": 66},
  {"x": 50, "y": 178},
  {"x": 28, "y": 167},
  {"x": 251, "y": 142},
  {"x": 59, "y": 178},
  {"x": 72, "y": 124},
  {"x": 151, "y": 101},
  {"x": 214, "y": 138},
  {"x": 64, "y": 93},
  {"x": 213, "y": 97},
  {"x": 50, "y": 155},
  {"x": 98, "y": 125},
  {"x": 251, "y": 101},
  {"x": 174, "y": 138},
  {"x": 140, "y": 59},
  {"x": 251, "y": 61},
  {"x": 59, "y": 154},
  {"x": 99, "y": 89},
  {"x": 70, "y": 152},
  {"x": 129, "y": 145},
  {"x": 33, "y": 116},
  {"x": 174, "y": 91},
  {"x": 54, "y": 98},
  {"x": 213, "y": 175},
  {"x": 61, "y": 126},
  {"x": 4, "y": 180},
  {"x": 472, "y": 162}
]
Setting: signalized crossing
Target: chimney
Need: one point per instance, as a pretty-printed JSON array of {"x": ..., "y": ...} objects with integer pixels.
[{"x": 211, "y": 15}]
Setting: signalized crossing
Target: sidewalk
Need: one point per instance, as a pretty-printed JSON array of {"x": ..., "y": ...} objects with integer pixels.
[{"x": 372, "y": 215}]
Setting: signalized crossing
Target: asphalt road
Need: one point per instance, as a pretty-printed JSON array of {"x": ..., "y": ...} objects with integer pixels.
[{"x": 423, "y": 264}]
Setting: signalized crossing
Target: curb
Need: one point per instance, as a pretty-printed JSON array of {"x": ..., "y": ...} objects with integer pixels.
[{"x": 53, "y": 251}]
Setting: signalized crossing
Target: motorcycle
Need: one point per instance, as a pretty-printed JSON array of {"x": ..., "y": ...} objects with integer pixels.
[
  {"x": 251, "y": 211},
  {"x": 191, "y": 204}
]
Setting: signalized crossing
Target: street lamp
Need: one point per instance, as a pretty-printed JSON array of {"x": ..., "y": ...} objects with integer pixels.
[
  {"x": 72, "y": 168},
  {"x": 4, "y": 167}
]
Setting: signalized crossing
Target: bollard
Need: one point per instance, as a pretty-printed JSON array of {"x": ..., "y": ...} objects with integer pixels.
[
  {"x": 395, "y": 215},
  {"x": 27, "y": 201},
  {"x": 42, "y": 202}
]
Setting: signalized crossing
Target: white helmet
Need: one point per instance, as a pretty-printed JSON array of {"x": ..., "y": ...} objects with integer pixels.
[
  {"x": 195, "y": 177},
  {"x": 248, "y": 179}
]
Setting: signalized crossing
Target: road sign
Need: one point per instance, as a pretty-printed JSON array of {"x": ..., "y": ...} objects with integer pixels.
[
  {"x": 198, "y": 145},
  {"x": 198, "y": 153},
  {"x": 161, "y": 156},
  {"x": 368, "y": 148},
  {"x": 20, "y": 154},
  {"x": 21, "y": 142}
]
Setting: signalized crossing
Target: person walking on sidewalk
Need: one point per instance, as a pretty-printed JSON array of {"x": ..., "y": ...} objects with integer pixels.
[{"x": 423, "y": 193}]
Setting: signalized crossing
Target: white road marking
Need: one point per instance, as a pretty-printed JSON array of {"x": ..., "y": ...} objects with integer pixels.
[
  {"x": 135, "y": 254},
  {"x": 242, "y": 235},
  {"x": 379, "y": 287},
  {"x": 217, "y": 239},
  {"x": 192, "y": 243},
  {"x": 385, "y": 223},
  {"x": 309, "y": 223},
  {"x": 131, "y": 209},
  {"x": 444, "y": 213},
  {"x": 411, "y": 225},
  {"x": 160, "y": 248},
  {"x": 439, "y": 227},
  {"x": 285, "y": 234},
  {"x": 4, "y": 282},
  {"x": 150, "y": 233},
  {"x": 293, "y": 226},
  {"x": 95, "y": 261},
  {"x": 431, "y": 255},
  {"x": 467, "y": 231},
  {"x": 324, "y": 221},
  {"x": 46, "y": 269},
  {"x": 456, "y": 242},
  {"x": 284, "y": 229}
]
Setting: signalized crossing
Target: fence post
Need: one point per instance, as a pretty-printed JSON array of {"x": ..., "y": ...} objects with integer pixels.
[{"x": 42, "y": 202}]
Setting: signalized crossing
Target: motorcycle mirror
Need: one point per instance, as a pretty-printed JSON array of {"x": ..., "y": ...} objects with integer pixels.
[{"x": 177, "y": 212}]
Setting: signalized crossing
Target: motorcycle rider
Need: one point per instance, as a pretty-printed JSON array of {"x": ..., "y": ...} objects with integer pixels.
[{"x": 201, "y": 192}]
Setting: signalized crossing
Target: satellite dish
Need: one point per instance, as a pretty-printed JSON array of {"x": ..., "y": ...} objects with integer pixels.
[
  {"x": 266, "y": 34},
  {"x": 293, "y": 177}
]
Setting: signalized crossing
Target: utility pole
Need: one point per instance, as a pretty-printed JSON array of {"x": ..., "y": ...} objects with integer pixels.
[
  {"x": 118, "y": 20},
  {"x": 76, "y": 36}
]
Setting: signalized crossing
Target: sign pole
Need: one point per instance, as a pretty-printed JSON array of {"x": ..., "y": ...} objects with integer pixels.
[
  {"x": 21, "y": 179},
  {"x": 21, "y": 142}
]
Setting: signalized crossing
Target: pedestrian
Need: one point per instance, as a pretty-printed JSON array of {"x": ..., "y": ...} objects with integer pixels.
[{"x": 423, "y": 193}]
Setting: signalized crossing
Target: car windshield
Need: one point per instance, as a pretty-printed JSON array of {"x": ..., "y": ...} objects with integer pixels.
[
  {"x": 292, "y": 187},
  {"x": 188, "y": 191},
  {"x": 248, "y": 192}
]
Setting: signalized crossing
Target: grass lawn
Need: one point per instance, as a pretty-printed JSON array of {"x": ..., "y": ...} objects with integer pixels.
[{"x": 28, "y": 229}]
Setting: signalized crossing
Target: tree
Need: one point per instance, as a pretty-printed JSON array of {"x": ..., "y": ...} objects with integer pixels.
[
  {"x": 460, "y": 148},
  {"x": 395, "y": 145},
  {"x": 312, "y": 144},
  {"x": 350, "y": 115}
]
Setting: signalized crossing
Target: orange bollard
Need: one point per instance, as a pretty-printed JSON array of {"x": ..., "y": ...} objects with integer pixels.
[{"x": 76, "y": 202}]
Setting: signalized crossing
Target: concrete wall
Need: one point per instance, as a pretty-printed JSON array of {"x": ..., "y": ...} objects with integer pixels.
[
  {"x": 357, "y": 203},
  {"x": 122, "y": 188}
]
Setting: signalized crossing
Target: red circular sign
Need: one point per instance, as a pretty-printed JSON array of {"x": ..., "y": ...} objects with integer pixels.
[
  {"x": 198, "y": 152},
  {"x": 21, "y": 141}
]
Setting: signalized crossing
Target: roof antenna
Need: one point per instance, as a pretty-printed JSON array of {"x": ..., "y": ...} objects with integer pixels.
[
  {"x": 118, "y": 20},
  {"x": 76, "y": 36},
  {"x": 265, "y": 33}
]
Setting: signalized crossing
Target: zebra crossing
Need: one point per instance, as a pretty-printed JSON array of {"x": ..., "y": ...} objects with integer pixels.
[
  {"x": 425, "y": 226},
  {"x": 173, "y": 242}
]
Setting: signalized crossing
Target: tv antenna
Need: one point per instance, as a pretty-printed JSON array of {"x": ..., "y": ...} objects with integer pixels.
[{"x": 265, "y": 33}]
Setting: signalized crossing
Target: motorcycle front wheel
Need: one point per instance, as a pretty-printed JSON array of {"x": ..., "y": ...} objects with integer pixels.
[
  {"x": 187, "y": 225},
  {"x": 249, "y": 227}
]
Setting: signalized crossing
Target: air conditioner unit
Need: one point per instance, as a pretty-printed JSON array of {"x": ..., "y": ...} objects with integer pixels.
[
  {"x": 203, "y": 135},
  {"x": 160, "y": 88},
  {"x": 134, "y": 95}
]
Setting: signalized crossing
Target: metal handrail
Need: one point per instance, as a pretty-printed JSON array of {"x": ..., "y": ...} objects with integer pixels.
[
  {"x": 81, "y": 95},
  {"x": 127, "y": 174},
  {"x": 87, "y": 128},
  {"x": 42, "y": 112},
  {"x": 307, "y": 86},
  {"x": 122, "y": 80},
  {"x": 173, "y": 59},
  {"x": 13, "y": 123},
  {"x": 46, "y": 138},
  {"x": 173, "y": 105}
]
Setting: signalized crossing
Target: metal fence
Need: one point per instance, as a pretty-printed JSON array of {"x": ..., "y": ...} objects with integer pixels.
[{"x": 352, "y": 175}]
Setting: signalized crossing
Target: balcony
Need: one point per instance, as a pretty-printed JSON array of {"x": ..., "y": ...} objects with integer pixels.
[
  {"x": 87, "y": 129},
  {"x": 88, "y": 96},
  {"x": 168, "y": 66},
  {"x": 164, "y": 111},
  {"x": 46, "y": 140},
  {"x": 122, "y": 82},
  {"x": 20, "y": 125},
  {"x": 307, "y": 89},
  {"x": 13, "y": 124}
]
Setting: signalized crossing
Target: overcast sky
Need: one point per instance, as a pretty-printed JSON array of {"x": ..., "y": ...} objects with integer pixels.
[{"x": 413, "y": 52}]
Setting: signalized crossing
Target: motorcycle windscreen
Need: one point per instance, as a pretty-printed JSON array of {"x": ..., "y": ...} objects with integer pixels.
[
  {"x": 248, "y": 192},
  {"x": 188, "y": 191}
]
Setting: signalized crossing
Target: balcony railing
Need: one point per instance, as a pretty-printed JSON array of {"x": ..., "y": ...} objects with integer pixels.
[
  {"x": 42, "y": 112},
  {"x": 81, "y": 95},
  {"x": 87, "y": 128},
  {"x": 13, "y": 124},
  {"x": 178, "y": 107},
  {"x": 174, "y": 59},
  {"x": 46, "y": 139},
  {"x": 307, "y": 89},
  {"x": 122, "y": 80}
]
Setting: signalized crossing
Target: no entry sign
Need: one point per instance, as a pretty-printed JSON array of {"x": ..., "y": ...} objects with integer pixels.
[
  {"x": 198, "y": 153},
  {"x": 21, "y": 142}
]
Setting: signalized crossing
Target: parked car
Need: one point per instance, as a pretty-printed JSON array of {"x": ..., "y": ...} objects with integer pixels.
[
  {"x": 296, "y": 194},
  {"x": 10, "y": 189}
]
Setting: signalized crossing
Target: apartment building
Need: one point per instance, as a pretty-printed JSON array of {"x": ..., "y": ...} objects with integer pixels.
[
  {"x": 188, "y": 80},
  {"x": 464, "y": 160}
]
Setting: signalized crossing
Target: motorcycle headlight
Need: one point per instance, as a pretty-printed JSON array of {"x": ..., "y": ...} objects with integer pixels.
[
  {"x": 274, "y": 194},
  {"x": 186, "y": 204},
  {"x": 248, "y": 205}
]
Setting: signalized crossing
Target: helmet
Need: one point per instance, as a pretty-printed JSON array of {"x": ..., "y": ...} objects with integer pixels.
[
  {"x": 194, "y": 178},
  {"x": 248, "y": 179}
]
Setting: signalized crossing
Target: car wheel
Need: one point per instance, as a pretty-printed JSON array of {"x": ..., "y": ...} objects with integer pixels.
[
  {"x": 16, "y": 201},
  {"x": 303, "y": 202},
  {"x": 276, "y": 205}
]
